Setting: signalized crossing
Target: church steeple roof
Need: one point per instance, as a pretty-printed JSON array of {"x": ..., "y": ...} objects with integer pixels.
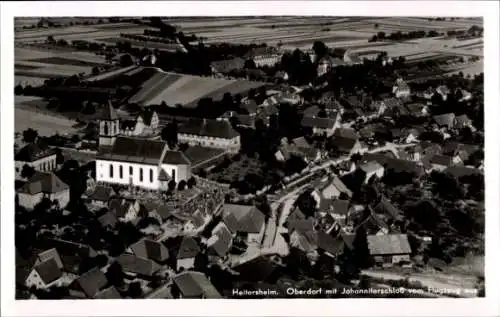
[{"x": 108, "y": 112}]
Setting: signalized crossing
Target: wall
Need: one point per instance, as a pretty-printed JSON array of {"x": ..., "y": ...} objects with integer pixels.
[
  {"x": 29, "y": 201},
  {"x": 399, "y": 258},
  {"x": 102, "y": 174},
  {"x": 217, "y": 143},
  {"x": 45, "y": 164},
  {"x": 187, "y": 263},
  {"x": 34, "y": 279},
  {"x": 62, "y": 197}
]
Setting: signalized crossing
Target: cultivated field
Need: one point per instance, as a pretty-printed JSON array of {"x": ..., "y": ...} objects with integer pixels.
[
  {"x": 187, "y": 89},
  {"x": 27, "y": 116}
]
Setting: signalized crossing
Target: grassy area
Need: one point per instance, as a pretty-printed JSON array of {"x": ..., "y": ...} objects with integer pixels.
[{"x": 64, "y": 61}]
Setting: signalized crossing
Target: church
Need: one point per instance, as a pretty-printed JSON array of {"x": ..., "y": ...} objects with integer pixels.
[{"x": 136, "y": 160}]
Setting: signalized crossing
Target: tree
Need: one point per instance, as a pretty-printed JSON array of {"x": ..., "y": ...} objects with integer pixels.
[
  {"x": 95, "y": 70},
  {"x": 191, "y": 182},
  {"x": 361, "y": 252},
  {"x": 27, "y": 171},
  {"x": 320, "y": 49},
  {"x": 126, "y": 60},
  {"x": 18, "y": 90},
  {"x": 181, "y": 185},
  {"x": 30, "y": 135},
  {"x": 115, "y": 274},
  {"x": 171, "y": 185},
  {"x": 169, "y": 134},
  {"x": 250, "y": 64},
  {"x": 135, "y": 290}
]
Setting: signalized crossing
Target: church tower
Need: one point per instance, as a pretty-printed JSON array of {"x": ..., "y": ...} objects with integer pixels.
[{"x": 109, "y": 126}]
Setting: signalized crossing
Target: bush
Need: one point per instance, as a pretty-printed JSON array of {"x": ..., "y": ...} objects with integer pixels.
[
  {"x": 191, "y": 182},
  {"x": 181, "y": 185},
  {"x": 171, "y": 185}
]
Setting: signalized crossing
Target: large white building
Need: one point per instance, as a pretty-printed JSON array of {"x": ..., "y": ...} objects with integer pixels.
[
  {"x": 41, "y": 158},
  {"x": 210, "y": 133},
  {"x": 148, "y": 164}
]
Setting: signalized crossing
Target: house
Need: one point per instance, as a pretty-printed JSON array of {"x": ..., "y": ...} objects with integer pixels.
[
  {"x": 321, "y": 125},
  {"x": 264, "y": 56},
  {"x": 417, "y": 110},
  {"x": 281, "y": 75},
  {"x": 49, "y": 254},
  {"x": 441, "y": 162},
  {"x": 327, "y": 63},
  {"x": 443, "y": 91},
  {"x": 446, "y": 120},
  {"x": 145, "y": 124},
  {"x": 410, "y": 136},
  {"x": 340, "y": 210},
  {"x": 138, "y": 266},
  {"x": 333, "y": 189},
  {"x": 227, "y": 65},
  {"x": 389, "y": 249},
  {"x": 196, "y": 221},
  {"x": 352, "y": 58},
  {"x": 126, "y": 210},
  {"x": 43, "y": 185},
  {"x": 210, "y": 133},
  {"x": 36, "y": 155},
  {"x": 463, "y": 121},
  {"x": 147, "y": 164},
  {"x": 378, "y": 107},
  {"x": 149, "y": 249},
  {"x": 88, "y": 284},
  {"x": 346, "y": 167},
  {"x": 401, "y": 89},
  {"x": 186, "y": 253},
  {"x": 244, "y": 220},
  {"x": 194, "y": 284},
  {"x": 220, "y": 242},
  {"x": 101, "y": 195},
  {"x": 370, "y": 169},
  {"x": 345, "y": 141},
  {"x": 374, "y": 224},
  {"x": 108, "y": 219},
  {"x": 392, "y": 104},
  {"x": 291, "y": 98},
  {"x": 44, "y": 274},
  {"x": 386, "y": 208}
]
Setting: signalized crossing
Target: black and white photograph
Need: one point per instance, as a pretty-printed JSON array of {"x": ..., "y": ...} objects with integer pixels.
[{"x": 246, "y": 157}]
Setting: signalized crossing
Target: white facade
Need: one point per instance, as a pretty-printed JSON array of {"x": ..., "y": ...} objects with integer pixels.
[
  {"x": 29, "y": 201},
  {"x": 266, "y": 60},
  {"x": 232, "y": 145},
  {"x": 187, "y": 263},
  {"x": 44, "y": 164}
]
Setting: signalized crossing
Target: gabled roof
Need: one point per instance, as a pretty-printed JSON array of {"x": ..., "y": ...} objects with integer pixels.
[
  {"x": 343, "y": 144},
  {"x": 108, "y": 293},
  {"x": 462, "y": 120},
  {"x": 301, "y": 225},
  {"x": 108, "y": 219},
  {"x": 195, "y": 284},
  {"x": 176, "y": 158},
  {"x": 33, "y": 152},
  {"x": 340, "y": 207},
  {"x": 50, "y": 254},
  {"x": 209, "y": 128},
  {"x": 388, "y": 244},
  {"x": 443, "y": 160},
  {"x": 47, "y": 183},
  {"x": 385, "y": 206},
  {"x": 346, "y": 133},
  {"x": 188, "y": 248},
  {"x": 392, "y": 103},
  {"x": 92, "y": 282},
  {"x": 374, "y": 223},
  {"x": 370, "y": 166},
  {"x": 316, "y": 122},
  {"x": 301, "y": 142},
  {"x": 249, "y": 106},
  {"x": 459, "y": 171},
  {"x": 135, "y": 150},
  {"x": 241, "y": 218},
  {"x": 341, "y": 187},
  {"x": 150, "y": 249},
  {"x": 220, "y": 242},
  {"x": 65, "y": 247},
  {"x": 120, "y": 206},
  {"x": 108, "y": 112},
  {"x": 446, "y": 119},
  {"x": 134, "y": 264},
  {"x": 330, "y": 244},
  {"x": 415, "y": 108},
  {"x": 163, "y": 176},
  {"x": 102, "y": 193},
  {"x": 48, "y": 270}
]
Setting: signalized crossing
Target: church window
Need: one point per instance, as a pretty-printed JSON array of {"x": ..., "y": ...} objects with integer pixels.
[
  {"x": 111, "y": 170},
  {"x": 121, "y": 171},
  {"x": 140, "y": 174},
  {"x": 173, "y": 174},
  {"x": 150, "y": 175},
  {"x": 131, "y": 170},
  {"x": 106, "y": 128}
]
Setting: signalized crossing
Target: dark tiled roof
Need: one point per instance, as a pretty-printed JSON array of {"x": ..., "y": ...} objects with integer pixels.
[
  {"x": 189, "y": 248},
  {"x": 137, "y": 265},
  {"x": 92, "y": 282},
  {"x": 445, "y": 119},
  {"x": 108, "y": 293},
  {"x": 127, "y": 124},
  {"x": 108, "y": 219},
  {"x": 462, "y": 120},
  {"x": 33, "y": 152},
  {"x": 262, "y": 51},
  {"x": 249, "y": 106},
  {"x": 65, "y": 247},
  {"x": 48, "y": 270},
  {"x": 340, "y": 207},
  {"x": 102, "y": 193},
  {"x": 149, "y": 249},
  {"x": 343, "y": 144},
  {"x": 385, "y": 206},
  {"x": 240, "y": 218},
  {"x": 199, "y": 154},
  {"x": 209, "y": 128},
  {"x": 388, "y": 244},
  {"x": 459, "y": 171},
  {"x": 108, "y": 112},
  {"x": 176, "y": 158},
  {"x": 120, "y": 206},
  {"x": 163, "y": 176},
  {"x": 321, "y": 123},
  {"x": 330, "y": 244},
  {"x": 43, "y": 183},
  {"x": 415, "y": 108},
  {"x": 443, "y": 160},
  {"x": 346, "y": 133},
  {"x": 392, "y": 103},
  {"x": 50, "y": 254},
  {"x": 135, "y": 151},
  {"x": 223, "y": 240},
  {"x": 194, "y": 285}
]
